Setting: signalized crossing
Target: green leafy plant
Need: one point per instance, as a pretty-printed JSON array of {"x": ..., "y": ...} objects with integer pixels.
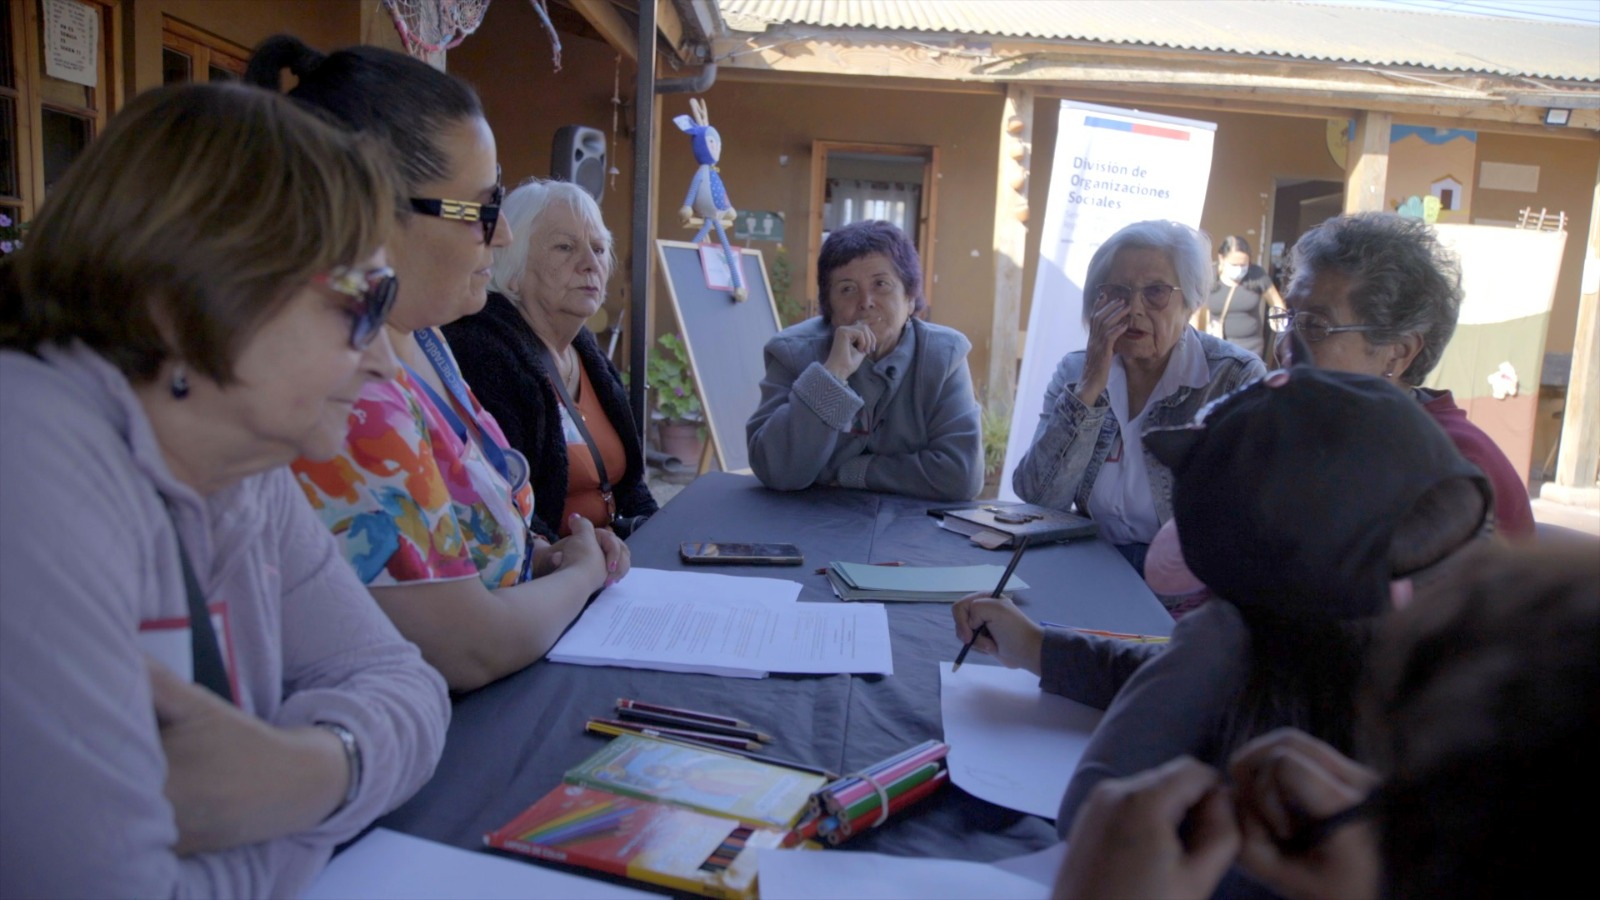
[
  {"x": 671, "y": 377},
  {"x": 781, "y": 274},
  {"x": 996, "y": 428}
]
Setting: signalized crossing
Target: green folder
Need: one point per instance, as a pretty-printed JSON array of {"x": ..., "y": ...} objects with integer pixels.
[{"x": 915, "y": 584}]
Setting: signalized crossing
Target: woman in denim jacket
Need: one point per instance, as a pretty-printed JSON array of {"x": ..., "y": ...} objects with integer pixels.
[{"x": 1144, "y": 368}]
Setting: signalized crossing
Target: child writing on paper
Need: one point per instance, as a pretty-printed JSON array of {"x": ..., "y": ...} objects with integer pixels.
[
  {"x": 1476, "y": 723},
  {"x": 1302, "y": 573}
]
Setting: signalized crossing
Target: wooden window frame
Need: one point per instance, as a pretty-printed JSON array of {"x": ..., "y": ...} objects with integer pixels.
[
  {"x": 20, "y": 94},
  {"x": 925, "y": 214},
  {"x": 203, "y": 48},
  {"x": 29, "y": 59}
]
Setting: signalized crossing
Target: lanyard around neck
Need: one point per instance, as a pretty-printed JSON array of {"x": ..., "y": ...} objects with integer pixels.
[
  {"x": 210, "y": 671},
  {"x": 511, "y": 465},
  {"x": 576, "y": 414}
]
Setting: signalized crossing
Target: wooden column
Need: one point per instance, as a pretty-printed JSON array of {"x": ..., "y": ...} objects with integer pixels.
[
  {"x": 1010, "y": 243},
  {"x": 1366, "y": 171},
  {"x": 1580, "y": 426}
]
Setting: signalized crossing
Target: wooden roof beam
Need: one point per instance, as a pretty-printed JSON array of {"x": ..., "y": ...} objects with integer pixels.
[{"x": 604, "y": 18}]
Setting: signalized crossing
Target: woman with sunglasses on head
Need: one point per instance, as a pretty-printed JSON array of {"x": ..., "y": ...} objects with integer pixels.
[
  {"x": 198, "y": 696},
  {"x": 1144, "y": 368},
  {"x": 428, "y": 500},
  {"x": 1375, "y": 293}
]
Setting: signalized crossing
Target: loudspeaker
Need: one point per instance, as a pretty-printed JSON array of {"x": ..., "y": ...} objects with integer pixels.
[{"x": 579, "y": 156}]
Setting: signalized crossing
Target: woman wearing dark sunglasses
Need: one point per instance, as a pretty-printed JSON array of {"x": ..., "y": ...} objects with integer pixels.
[
  {"x": 187, "y": 664},
  {"x": 1144, "y": 368},
  {"x": 429, "y": 501},
  {"x": 1376, "y": 293}
]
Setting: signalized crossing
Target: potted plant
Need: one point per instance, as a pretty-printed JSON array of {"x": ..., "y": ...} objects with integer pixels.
[{"x": 679, "y": 420}]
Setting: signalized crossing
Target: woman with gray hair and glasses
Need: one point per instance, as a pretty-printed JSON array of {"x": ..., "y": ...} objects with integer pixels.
[
  {"x": 1145, "y": 367},
  {"x": 542, "y": 374},
  {"x": 1377, "y": 294}
]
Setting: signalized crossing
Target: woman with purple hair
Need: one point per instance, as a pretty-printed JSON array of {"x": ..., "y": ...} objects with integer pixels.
[{"x": 865, "y": 395}]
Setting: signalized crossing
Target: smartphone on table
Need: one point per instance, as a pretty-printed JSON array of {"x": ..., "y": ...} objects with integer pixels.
[{"x": 727, "y": 553}]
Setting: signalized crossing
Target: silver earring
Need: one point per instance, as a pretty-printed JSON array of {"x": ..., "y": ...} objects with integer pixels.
[{"x": 180, "y": 382}]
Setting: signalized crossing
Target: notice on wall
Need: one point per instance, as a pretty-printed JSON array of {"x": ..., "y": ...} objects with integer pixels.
[
  {"x": 72, "y": 41},
  {"x": 1113, "y": 167}
]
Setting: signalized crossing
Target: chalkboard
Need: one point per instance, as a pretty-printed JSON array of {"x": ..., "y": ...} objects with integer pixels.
[{"x": 725, "y": 338}]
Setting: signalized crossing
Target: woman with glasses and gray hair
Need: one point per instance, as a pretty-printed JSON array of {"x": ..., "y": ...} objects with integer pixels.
[
  {"x": 1376, "y": 293},
  {"x": 541, "y": 372},
  {"x": 1144, "y": 368},
  {"x": 429, "y": 503}
]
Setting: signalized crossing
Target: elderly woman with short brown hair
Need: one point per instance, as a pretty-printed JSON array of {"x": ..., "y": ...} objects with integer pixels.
[
  {"x": 866, "y": 395},
  {"x": 1144, "y": 368},
  {"x": 198, "y": 695}
]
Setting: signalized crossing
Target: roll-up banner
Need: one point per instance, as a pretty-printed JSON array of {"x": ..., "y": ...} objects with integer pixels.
[{"x": 1112, "y": 167}]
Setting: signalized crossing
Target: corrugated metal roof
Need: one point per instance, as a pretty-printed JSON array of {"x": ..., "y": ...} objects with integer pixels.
[{"x": 1346, "y": 34}]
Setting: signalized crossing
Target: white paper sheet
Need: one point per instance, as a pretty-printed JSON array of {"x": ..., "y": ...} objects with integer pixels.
[
  {"x": 393, "y": 865},
  {"x": 655, "y": 584},
  {"x": 1011, "y": 743},
  {"x": 1041, "y": 866},
  {"x": 727, "y": 628},
  {"x": 832, "y": 875}
]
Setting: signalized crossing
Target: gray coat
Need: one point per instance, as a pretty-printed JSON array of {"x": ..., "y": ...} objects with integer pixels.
[
  {"x": 906, "y": 424},
  {"x": 1073, "y": 440}
]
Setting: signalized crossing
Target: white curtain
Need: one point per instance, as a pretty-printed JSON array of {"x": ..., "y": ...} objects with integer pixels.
[{"x": 851, "y": 200}]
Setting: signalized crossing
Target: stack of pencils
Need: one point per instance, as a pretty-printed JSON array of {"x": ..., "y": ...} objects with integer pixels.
[
  {"x": 711, "y": 731},
  {"x": 849, "y": 805},
  {"x": 681, "y": 724}
]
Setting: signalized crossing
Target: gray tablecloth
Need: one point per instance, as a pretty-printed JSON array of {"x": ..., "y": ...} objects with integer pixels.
[{"x": 510, "y": 742}]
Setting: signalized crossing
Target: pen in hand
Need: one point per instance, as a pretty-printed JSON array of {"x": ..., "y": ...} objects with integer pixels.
[{"x": 1016, "y": 557}]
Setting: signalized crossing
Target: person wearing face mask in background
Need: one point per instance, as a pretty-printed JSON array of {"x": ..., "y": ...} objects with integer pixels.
[
  {"x": 1239, "y": 304},
  {"x": 866, "y": 395}
]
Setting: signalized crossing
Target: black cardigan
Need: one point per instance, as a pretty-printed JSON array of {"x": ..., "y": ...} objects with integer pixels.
[{"x": 500, "y": 358}]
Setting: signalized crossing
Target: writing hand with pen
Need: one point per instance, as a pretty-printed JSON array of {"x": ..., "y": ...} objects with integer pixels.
[
  {"x": 979, "y": 631},
  {"x": 997, "y": 627}
]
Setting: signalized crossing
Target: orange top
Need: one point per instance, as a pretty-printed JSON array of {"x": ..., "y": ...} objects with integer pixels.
[{"x": 583, "y": 479}]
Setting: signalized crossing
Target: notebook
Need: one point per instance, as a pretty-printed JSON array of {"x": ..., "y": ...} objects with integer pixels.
[{"x": 994, "y": 525}]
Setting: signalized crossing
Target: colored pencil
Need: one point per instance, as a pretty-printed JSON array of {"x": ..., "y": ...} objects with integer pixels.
[
  {"x": 845, "y": 785},
  {"x": 704, "y": 737},
  {"x": 1119, "y": 635},
  {"x": 869, "y": 803},
  {"x": 848, "y": 828},
  {"x": 1016, "y": 557},
  {"x": 597, "y": 726},
  {"x": 713, "y": 718},
  {"x": 687, "y": 724},
  {"x": 885, "y": 774}
]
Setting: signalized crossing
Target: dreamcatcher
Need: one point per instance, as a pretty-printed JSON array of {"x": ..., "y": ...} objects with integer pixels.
[{"x": 434, "y": 26}]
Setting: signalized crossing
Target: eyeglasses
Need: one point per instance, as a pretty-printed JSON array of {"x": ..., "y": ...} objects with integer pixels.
[
  {"x": 1312, "y": 327},
  {"x": 1155, "y": 296},
  {"x": 374, "y": 291},
  {"x": 486, "y": 215}
]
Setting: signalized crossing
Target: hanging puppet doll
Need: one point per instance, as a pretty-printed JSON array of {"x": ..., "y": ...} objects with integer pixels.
[{"x": 707, "y": 198}]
